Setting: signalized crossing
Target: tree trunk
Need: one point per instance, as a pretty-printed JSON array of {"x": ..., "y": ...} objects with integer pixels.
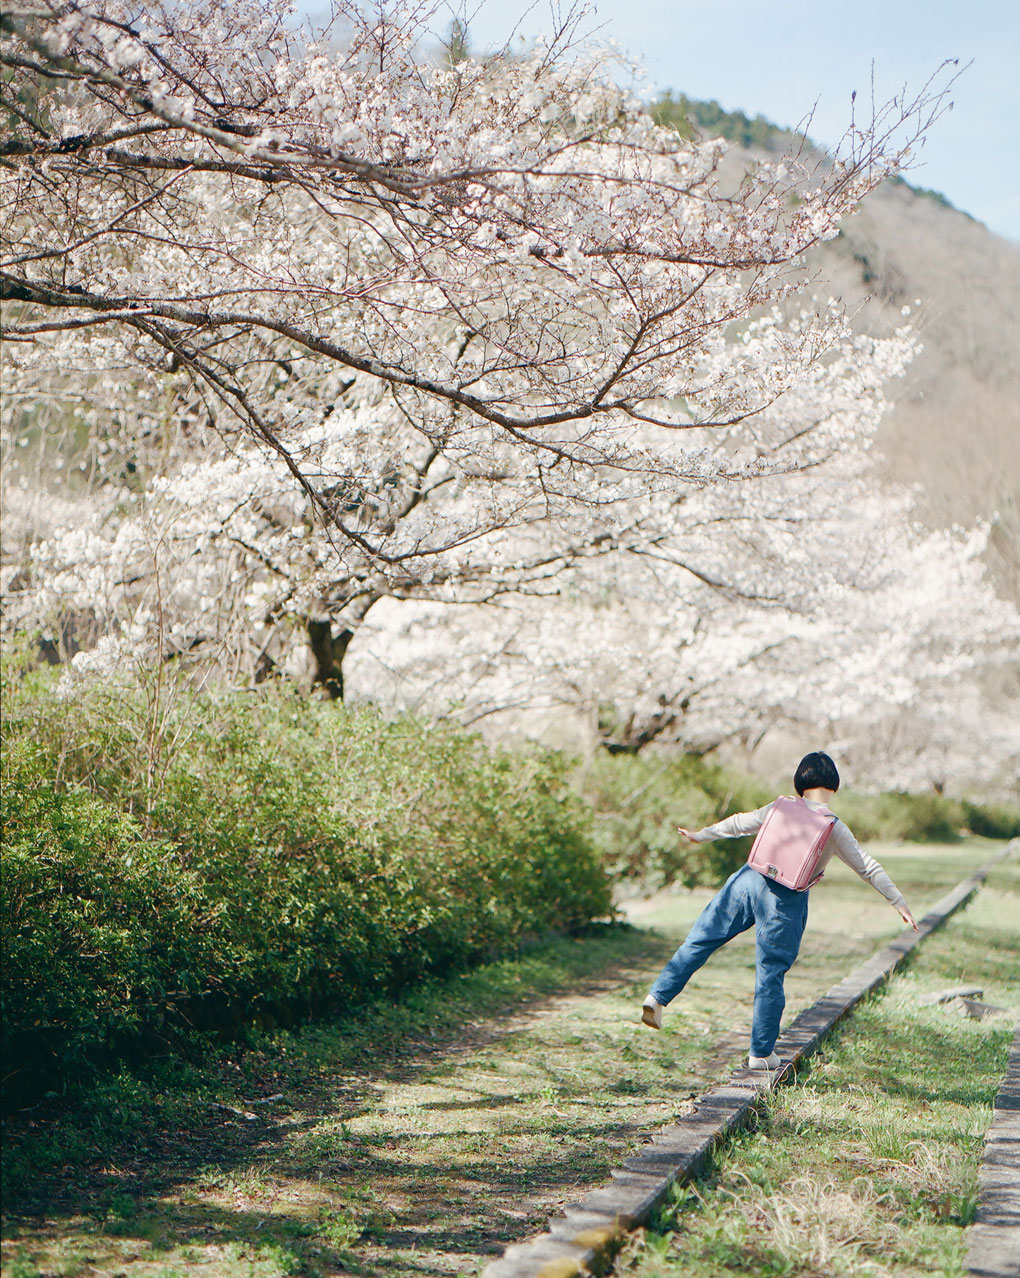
[
  {"x": 636, "y": 733},
  {"x": 328, "y": 650}
]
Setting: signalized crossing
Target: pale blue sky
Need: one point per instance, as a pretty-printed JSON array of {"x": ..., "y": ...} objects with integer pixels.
[{"x": 785, "y": 58}]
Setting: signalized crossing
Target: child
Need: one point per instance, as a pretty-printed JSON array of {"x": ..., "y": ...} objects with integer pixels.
[{"x": 777, "y": 912}]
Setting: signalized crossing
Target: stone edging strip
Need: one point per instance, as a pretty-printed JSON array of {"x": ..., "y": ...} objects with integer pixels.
[
  {"x": 584, "y": 1240},
  {"x": 994, "y": 1250}
]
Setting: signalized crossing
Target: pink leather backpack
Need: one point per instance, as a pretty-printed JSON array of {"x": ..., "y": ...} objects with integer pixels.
[{"x": 789, "y": 844}]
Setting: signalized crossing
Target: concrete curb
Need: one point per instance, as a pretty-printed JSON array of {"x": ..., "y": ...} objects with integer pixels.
[
  {"x": 584, "y": 1240},
  {"x": 994, "y": 1250}
]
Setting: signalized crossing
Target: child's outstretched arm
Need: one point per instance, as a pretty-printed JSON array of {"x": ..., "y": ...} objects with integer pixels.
[
  {"x": 731, "y": 827},
  {"x": 852, "y": 854}
]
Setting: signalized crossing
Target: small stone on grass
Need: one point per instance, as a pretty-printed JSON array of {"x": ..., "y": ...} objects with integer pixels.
[
  {"x": 976, "y": 1010},
  {"x": 947, "y": 996}
]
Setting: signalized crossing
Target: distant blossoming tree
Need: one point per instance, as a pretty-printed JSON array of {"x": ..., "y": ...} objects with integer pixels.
[{"x": 842, "y": 621}]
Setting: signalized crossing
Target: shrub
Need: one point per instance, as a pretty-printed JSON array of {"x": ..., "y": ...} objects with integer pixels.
[
  {"x": 993, "y": 820},
  {"x": 100, "y": 929},
  {"x": 275, "y": 858},
  {"x": 918, "y": 818},
  {"x": 639, "y": 800}
]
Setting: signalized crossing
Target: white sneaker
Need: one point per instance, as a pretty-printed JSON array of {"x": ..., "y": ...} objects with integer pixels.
[
  {"x": 772, "y": 1061},
  {"x": 651, "y": 1012}
]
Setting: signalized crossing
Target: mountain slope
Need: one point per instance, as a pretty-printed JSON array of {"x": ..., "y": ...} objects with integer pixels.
[{"x": 954, "y": 426}]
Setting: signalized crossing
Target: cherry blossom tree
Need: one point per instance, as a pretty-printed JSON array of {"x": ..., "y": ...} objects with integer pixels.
[
  {"x": 222, "y": 553},
  {"x": 850, "y": 618},
  {"x": 509, "y": 246},
  {"x": 716, "y": 614},
  {"x": 327, "y": 327},
  {"x": 495, "y": 281}
]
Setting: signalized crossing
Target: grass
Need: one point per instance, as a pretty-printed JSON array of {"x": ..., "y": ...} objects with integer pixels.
[
  {"x": 423, "y": 1136},
  {"x": 869, "y": 1165}
]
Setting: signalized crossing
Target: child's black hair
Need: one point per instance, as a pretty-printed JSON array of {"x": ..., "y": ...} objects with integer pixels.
[{"x": 815, "y": 771}]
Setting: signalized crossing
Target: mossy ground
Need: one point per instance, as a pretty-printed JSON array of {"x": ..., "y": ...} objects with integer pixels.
[{"x": 423, "y": 1136}]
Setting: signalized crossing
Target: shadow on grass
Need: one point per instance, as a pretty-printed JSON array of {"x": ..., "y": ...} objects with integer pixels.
[
  {"x": 930, "y": 1054},
  {"x": 929, "y": 1060},
  {"x": 284, "y": 1220},
  {"x": 136, "y": 1153},
  {"x": 180, "y": 1236},
  {"x": 148, "y": 1159}
]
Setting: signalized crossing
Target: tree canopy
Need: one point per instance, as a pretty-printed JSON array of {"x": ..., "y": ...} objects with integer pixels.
[{"x": 325, "y": 322}]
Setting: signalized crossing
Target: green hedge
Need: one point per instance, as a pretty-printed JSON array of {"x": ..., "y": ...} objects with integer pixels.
[
  {"x": 993, "y": 820},
  {"x": 919, "y": 818},
  {"x": 281, "y": 858},
  {"x": 926, "y": 818},
  {"x": 100, "y": 930},
  {"x": 637, "y": 803}
]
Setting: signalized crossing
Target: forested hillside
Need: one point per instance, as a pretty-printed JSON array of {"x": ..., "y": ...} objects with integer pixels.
[{"x": 954, "y": 428}]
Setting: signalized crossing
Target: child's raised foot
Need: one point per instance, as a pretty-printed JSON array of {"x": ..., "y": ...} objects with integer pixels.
[{"x": 651, "y": 1012}]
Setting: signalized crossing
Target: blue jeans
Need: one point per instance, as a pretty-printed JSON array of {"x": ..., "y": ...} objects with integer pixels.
[{"x": 778, "y": 914}]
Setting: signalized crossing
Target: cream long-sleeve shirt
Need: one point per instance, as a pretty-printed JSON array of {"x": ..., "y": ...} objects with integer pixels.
[{"x": 841, "y": 842}]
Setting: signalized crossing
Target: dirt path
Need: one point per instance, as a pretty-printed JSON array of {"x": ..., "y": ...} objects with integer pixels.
[{"x": 424, "y": 1139}]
